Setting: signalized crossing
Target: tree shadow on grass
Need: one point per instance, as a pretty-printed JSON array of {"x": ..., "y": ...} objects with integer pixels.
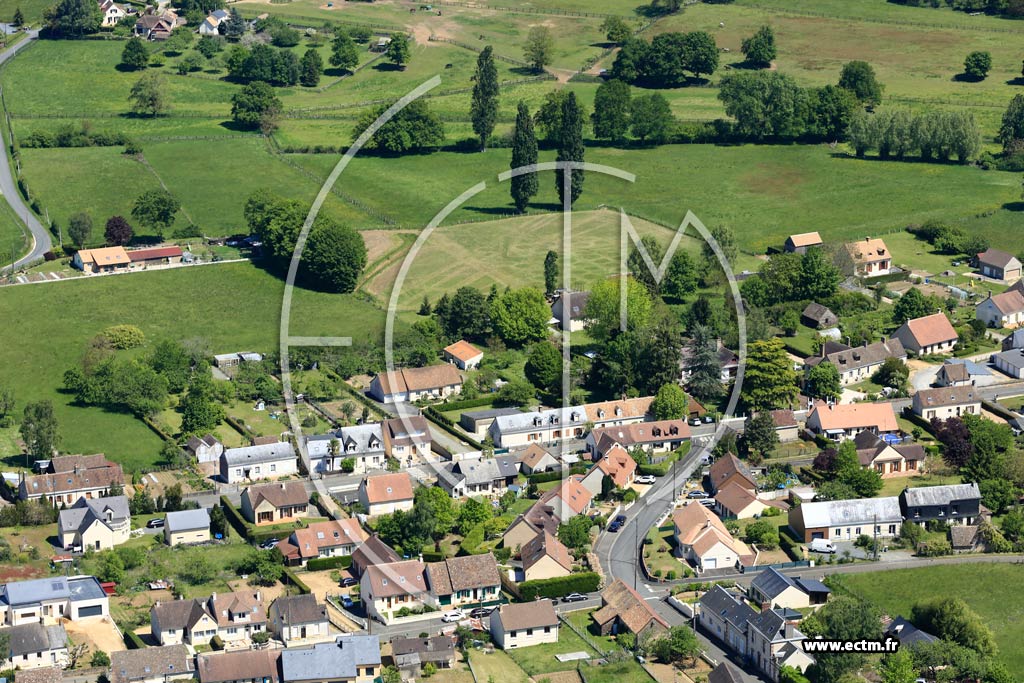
[
  {"x": 1014, "y": 206},
  {"x": 525, "y": 71},
  {"x": 966, "y": 78},
  {"x": 508, "y": 211},
  {"x": 126, "y": 69},
  {"x": 388, "y": 66},
  {"x": 1016, "y": 81},
  {"x": 236, "y": 127},
  {"x": 336, "y": 72}
]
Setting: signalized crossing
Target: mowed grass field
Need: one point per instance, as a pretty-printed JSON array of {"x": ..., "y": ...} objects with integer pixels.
[
  {"x": 764, "y": 193},
  {"x": 984, "y": 587},
  {"x": 229, "y": 307}
]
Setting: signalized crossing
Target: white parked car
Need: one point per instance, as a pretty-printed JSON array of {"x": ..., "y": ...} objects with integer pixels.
[
  {"x": 645, "y": 479},
  {"x": 449, "y": 617}
]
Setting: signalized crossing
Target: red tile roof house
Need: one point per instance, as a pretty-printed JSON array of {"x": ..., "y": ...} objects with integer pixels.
[
  {"x": 463, "y": 355},
  {"x": 623, "y": 609},
  {"x": 930, "y": 334},
  {"x": 388, "y": 589},
  {"x": 703, "y": 540},
  {"x": 799, "y": 244},
  {"x": 336, "y": 538},
  {"x": 156, "y": 256},
  {"x": 568, "y": 499},
  {"x": 617, "y": 467},
  {"x": 842, "y": 422},
  {"x": 71, "y": 477},
  {"x": 1002, "y": 310},
  {"x": 467, "y": 581},
  {"x": 654, "y": 437},
  {"x": 383, "y": 494},
  {"x": 433, "y": 382}
]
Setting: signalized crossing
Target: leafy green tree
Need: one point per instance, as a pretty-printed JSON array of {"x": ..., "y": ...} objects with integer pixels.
[
  {"x": 575, "y": 533},
  {"x": 843, "y": 618},
  {"x": 611, "y": 111},
  {"x": 651, "y": 118},
  {"x": 148, "y": 96},
  {"x": 80, "y": 228},
  {"x": 19, "y": 18},
  {"x": 471, "y": 513},
  {"x": 759, "y": 49},
  {"x": 602, "y": 310},
  {"x": 893, "y": 373},
  {"x": 911, "y": 305},
  {"x": 39, "y": 430},
  {"x": 544, "y": 368},
  {"x": 770, "y": 380},
  {"x": 539, "y": 47},
  {"x": 219, "y": 522},
  {"x": 208, "y": 46},
  {"x": 515, "y": 393},
  {"x": 234, "y": 27},
  {"x": 818, "y": 277},
  {"x": 256, "y": 106},
  {"x": 520, "y": 316},
  {"x": 484, "y": 106},
  {"x": 117, "y": 231},
  {"x": 637, "y": 265},
  {"x": 864, "y": 483},
  {"x": 703, "y": 366},
  {"x": 831, "y": 111},
  {"x": 344, "y": 53},
  {"x": 670, "y": 403},
  {"x": 135, "y": 55},
  {"x": 977, "y": 65},
  {"x": 898, "y": 667},
  {"x": 616, "y": 29},
  {"x": 681, "y": 276},
  {"x": 701, "y": 53},
  {"x": 859, "y": 78},
  {"x": 765, "y": 104},
  {"x": 759, "y": 435},
  {"x": 570, "y": 148},
  {"x": 823, "y": 382},
  {"x": 6, "y": 408},
  {"x": 111, "y": 567},
  {"x": 180, "y": 40},
  {"x": 73, "y": 18},
  {"x": 466, "y": 315},
  {"x": 950, "y": 618},
  {"x": 310, "y": 67},
  {"x": 334, "y": 257},
  {"x": 398, "y": 51},
  {"x": 156, "y": 210},
  {"x": 199, "y": 413},
  {"x": 1012, "y": 127},
  {"x": 680, "y": 643},
  {"x": 524, "y": 153},
  {"x": 630, "y": 62},
  {"x": 550, "y": 272},
  {"x": 413, "y": 129},
  {"x": 791, "y": 674},
  {"x": 764, "y": 534}
]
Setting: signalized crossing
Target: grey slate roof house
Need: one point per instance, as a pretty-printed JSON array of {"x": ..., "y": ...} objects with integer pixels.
[
  {"x": 362, "y": 443},
  {"x": 35, "y": 645},
  {"x": 257, "y": 462},
  {"x": 817, "y": 316},
  {"x": 955, "y": 504},
  {"x": 54, "y": 597},
  {"x": 412, "y": 654},
  {"x": 725, "y": 673},
  {"x": 352, "y": 658},
  {"x": 187, "y": 526},
  {"x": 725, "y": 615},
  {"x": 151, "y": 665},
  {"x": 475, "y": 476},
  {"x": 110, "y": 516},
  {"x": 857, "y": 363},
  {"x": 298, "y": 617},
  {"x": 908, "y": 634},
  {"x": 243, "y": 666}
]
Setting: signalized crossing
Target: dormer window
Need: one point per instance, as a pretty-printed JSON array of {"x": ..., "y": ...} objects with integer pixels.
[
  {"x": 618, "y": 411},
  {"x": 601, "y": 413}
]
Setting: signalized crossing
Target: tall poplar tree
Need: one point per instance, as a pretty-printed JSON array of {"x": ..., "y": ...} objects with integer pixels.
[
  {"x": 524, "y": 153},
  {"x": 570, "y": 148},
  {"x": 484, "y": 109}
]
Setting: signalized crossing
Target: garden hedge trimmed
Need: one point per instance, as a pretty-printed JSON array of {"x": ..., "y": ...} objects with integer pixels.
[
  {"x": 299, "y": 583},
  {"x": 321, "y": 563},
  {"x": 583, "y": 582}
]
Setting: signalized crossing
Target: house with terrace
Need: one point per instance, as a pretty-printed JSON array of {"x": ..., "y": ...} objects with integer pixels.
[
  {"x": 845, "y": 520},
  {"x": 432, "y": 383},
  {"x": 406, "y": 437},
  {"x": 362, "y": 445},
  {"x": 382, "y": 494},
  {"x": 298, "y": 619},
  {"x": 349, "y": 659},
  {"x": 285, "y": 501},
  {"x": 889, "y": 460},
  {"x": 538, "y": 426},
  {"x": 394, "y": 589},
  {"x": 845, "y": 421},
  {"x": 951, "y": 504},
  {"x": 946, "y": 402},
  {"x": 97, "y": 524},
  {"x": 466, "y": 581},
  {"x": 858, "y": 363},
  {"x": 69, "y": 478},
  {"x": 239, "y": 615},
  {"x": 53, "y": 598},
  {"x": 479, "y": 476},
  {"x": 703, "y": 540},
  {"x": 35, "y": 645},
  {"x": 930, "y": 334},
  {"x": 251, "y": 463},
  {"x": 333, "y": 538}
]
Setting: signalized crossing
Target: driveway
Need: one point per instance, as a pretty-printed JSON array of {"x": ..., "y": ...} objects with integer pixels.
[{"x": 41, "y": 242}]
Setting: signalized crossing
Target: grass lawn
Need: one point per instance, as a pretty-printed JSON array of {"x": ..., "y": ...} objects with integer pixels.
[
  {"x": 540, "y": 659},
  {"x": 627, "y": 671},
  {"x": 496, "y": 666},
  {"x": 227, "y": 306},
  {"x": 894, "y": 485},
  {"x": 983, "y": 587},
  {"x": 582, "y": 620},
  {"x": 658, "y": 553}
]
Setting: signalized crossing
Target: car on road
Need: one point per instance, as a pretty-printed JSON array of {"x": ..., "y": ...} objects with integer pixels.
[
  {"x": 696, "y": 494},
  {"x": 617, "y": 523},
  {"x": 481, "y": 612},
  {"x": 574, "y": 597},
  {"x": 269, "y": 543},
  {"x": 449, "y": 617},
  {"x": 155, "y": 523},
  {"x": 348, "y": 581},
  {"x": 646, "y": 479}
]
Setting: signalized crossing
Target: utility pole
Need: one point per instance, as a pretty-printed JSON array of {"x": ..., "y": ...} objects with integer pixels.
[
  {"x": 876, "y": 536},
  {"x": 636, "y": 544}
]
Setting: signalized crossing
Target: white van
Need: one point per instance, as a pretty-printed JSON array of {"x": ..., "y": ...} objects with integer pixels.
[{"x": 821, "y": 545}]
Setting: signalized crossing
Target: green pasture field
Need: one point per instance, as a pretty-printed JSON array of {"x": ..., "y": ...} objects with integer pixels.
[
  {"x": 764, "y": 193},
  {"x": 981, "y": 586},
  {"x": 227, "y": 306}
]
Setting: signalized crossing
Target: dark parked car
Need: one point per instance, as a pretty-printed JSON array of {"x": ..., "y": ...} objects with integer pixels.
[
  {"x": 348, "y": 581},
  {"x": 155, "y": 523},
  {"x": 614, "y": 527},
  {"x": 481, "y": 612}
]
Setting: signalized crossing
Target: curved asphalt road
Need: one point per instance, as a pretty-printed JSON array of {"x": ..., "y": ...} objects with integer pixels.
[{"x": 41, "y": 242}]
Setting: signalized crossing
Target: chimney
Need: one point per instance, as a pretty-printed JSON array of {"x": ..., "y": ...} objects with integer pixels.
[
  {"x": 213, "y": 595},
  {"x": 765, "y": 607},
  {"x": 157, "y": 604}
]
